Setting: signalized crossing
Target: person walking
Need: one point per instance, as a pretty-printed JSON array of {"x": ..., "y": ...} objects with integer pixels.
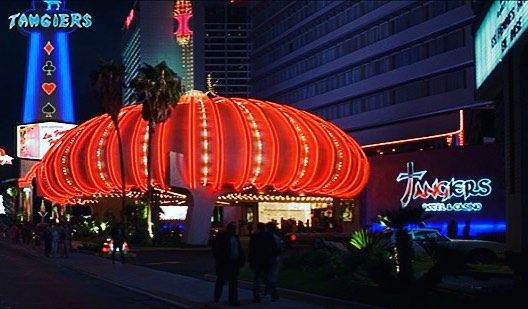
[
  {"x": 55, "y": 237},
  {"x": 260, "y": 257},
  {"x": 276, "y": 251},
  {"x": 66, "y": 239},
  {"x": 452, "y": 229},
  {"x": 467, "y": 227},
  {"x": 229, "y": 258},
  {"x": 118, "y": 239},
  {"x": 48, "y": 240}
]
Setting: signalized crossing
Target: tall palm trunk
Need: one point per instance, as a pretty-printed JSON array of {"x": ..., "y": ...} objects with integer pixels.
[
  {"x": 403, "y": 255},
  {"x": 149, "y": 177},
  {"x": 159, "y": 89},
  {"x": 107, "y": 82},
  {"x": 122, "y": 167}
]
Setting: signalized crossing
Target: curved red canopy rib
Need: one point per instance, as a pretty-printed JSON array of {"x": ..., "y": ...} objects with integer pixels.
[{"x": 223, "y": 142}]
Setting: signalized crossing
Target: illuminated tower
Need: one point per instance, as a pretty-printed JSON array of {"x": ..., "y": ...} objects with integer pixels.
[
  {"x": 48, "y": 109},
  {"x": 183, "y": 34}
]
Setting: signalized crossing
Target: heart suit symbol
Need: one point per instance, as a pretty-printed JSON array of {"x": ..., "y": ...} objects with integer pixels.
[{"x": 49, "y": 88}]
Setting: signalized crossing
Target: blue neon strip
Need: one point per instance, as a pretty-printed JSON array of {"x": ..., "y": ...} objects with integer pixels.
[
  {"x": 65, "y": 103},
  {"x": 476, "y": 228},
  {"x": 34, "y": 61}
]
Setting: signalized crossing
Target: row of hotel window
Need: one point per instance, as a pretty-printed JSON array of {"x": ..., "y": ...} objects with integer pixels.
[
  {"x": 365, "y": 69},
  {"x": 376, "y": 31},
  {"x": 410, "y": 91},
  {"x": 339, "y": 15},
  {"x": 266, "y": 9}
]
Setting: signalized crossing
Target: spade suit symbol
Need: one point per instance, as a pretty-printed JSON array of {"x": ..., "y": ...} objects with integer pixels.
[{"x": 48, "y": 110}]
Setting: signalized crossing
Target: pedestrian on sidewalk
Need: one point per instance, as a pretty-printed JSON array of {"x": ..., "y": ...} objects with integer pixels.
[
  {"x": 259, "y": 257},
  {"x": 65, "y": 240},
  {"x": 55, "y": 238},
  {"x": 229, "y": 257},
  {"x": 48, "y": 239},
  {"x": 118, "y": 239},
  {"x": 276, "y": 251}
]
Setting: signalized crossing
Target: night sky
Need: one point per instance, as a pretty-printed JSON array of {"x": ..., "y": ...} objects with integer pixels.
[{"x": 87, "y": 47}]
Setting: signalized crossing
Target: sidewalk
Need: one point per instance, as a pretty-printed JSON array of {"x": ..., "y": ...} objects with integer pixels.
[{"x": 176, "y": 289}]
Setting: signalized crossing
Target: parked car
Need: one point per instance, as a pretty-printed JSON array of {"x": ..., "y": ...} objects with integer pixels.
[{"x": 475, "y": 250}]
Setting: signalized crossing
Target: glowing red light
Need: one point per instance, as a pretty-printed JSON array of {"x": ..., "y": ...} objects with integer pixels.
[
  {"x": 293, "y": 237},
  {"x": 224, "y": 142},
  {"x": 183, "y": 14},
  {"x": 129, "y": 19}
]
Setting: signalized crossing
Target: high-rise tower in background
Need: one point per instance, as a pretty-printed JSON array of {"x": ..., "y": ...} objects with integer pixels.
[
  {"x": 148, "y": 37},
  {"x": 195, "y": 38},
  {"x": 48, "y": 107}
]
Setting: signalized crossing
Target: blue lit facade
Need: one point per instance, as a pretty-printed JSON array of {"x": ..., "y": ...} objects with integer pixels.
[
  {"x": 48, "y": 88},
  {"x": 148, "y": 38}
]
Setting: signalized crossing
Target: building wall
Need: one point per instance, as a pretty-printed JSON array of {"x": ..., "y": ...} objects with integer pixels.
[
  {"x": 222, "y": 47},
  {"x": 220, "y": 39},
  {"x": 364, "y": 64},
  {"x": 149, "y": 39}
]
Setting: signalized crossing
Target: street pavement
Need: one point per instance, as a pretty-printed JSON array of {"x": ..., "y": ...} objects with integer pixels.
[
  {"x": 29, "y": 281},
  {"x": 176, "y": 289}
]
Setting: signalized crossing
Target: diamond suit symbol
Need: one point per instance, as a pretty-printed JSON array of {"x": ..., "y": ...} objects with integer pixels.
[{"x": 49, "y": 48}]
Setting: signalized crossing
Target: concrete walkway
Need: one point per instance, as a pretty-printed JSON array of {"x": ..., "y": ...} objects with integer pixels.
[{"x": 182, "y": 291}]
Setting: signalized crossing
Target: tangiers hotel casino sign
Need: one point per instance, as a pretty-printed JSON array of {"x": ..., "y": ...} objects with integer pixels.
[{"x": 49, "y": 14}]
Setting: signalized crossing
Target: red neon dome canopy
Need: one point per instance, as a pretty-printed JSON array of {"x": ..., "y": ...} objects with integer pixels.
[{"x": 222, "y": 142}]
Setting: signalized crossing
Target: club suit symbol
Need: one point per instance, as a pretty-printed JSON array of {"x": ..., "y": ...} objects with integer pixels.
[{"x": 49, "y": 68}]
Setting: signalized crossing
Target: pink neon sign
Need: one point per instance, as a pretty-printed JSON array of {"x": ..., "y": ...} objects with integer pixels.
[{"x": 129, "y": 19}]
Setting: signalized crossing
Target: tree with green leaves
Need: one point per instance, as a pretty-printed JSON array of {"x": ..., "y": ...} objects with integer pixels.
[
  {"x": 107, "y": 84},
  {"x": 398, "y": 221},
  {"x": 158, "y": 88}
]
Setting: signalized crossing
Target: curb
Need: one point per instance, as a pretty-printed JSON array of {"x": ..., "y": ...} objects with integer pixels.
[{"x": 321, "y": 300}]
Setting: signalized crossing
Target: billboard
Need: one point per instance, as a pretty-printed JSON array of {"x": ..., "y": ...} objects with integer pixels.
[
  {"x": 173, "y": 212},
  {"x": 501, "y": 27},
  {"x": 463, "y": 183},
  {"x": 34, "y": 140}
]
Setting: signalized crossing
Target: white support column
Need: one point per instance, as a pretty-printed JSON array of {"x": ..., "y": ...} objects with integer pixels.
[{"x": 198, "y": 222}]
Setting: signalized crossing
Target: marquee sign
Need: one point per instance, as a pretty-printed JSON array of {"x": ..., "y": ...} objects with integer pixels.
[
  {"x": 443, "y": 195},
  {"x": 34, "y": 140},
  {"x": 502, "y": 26}
]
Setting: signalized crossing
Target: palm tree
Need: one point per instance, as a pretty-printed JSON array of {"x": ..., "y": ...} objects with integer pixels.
[
  {"x": 398, "y": 221},
  {"x": 107, "y": 84},
  {"x": 159, "y": 89}
]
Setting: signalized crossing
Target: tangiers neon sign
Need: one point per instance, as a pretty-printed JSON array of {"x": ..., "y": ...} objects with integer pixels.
[
  {"x": 443, "y": 190},
  {"x": 51, "y": 14},
  {"x": 61, "y": 20}
]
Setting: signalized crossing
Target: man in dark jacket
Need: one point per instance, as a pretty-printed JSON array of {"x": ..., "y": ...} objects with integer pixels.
[
  {"x": 229, "y": 257},
  {"x": 260, "y": 255},
  {"x": 118, "y": 240}
]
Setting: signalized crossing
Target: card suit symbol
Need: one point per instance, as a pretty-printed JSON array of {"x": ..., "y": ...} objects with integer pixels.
[
  {"x": 49, "y": 88},
  {"x": 48, "y": 110},
  {"x": 48, "y": 48}
]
